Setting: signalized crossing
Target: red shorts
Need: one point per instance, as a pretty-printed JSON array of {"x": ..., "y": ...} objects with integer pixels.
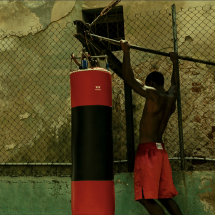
[{"x": 153, "y": 173}]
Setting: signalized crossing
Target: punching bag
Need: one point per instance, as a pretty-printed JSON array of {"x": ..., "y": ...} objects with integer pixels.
[{"x": 92, "y": 181}]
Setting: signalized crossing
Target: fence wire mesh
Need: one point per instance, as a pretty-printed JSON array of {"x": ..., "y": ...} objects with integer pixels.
[
  {"x": 35, "y": 92},
  {"x": 35, "y": 101},
  {"x": 195, "y": 36},
  {"x": 153, "y": 30}
]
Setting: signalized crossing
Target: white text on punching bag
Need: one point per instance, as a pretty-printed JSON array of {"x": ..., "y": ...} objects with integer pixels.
[{"x": 97, "y": 88}]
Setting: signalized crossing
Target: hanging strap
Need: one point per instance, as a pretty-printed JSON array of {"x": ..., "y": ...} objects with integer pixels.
[
  {"x": 109, "y": 7},
  {"x": 73, "y": 58},
  {"x": 106, "y": 10}
]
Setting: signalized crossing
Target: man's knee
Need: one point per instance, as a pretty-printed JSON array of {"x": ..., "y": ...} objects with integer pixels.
[{"x": 147, "y": 201}]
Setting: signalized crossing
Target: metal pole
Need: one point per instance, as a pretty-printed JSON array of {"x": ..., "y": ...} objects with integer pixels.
[
  {"x": 129, "y": 127},
  {"x": 115, "y": 42},
  {"x": 35, "y": 164},
  {"x": 180, "y": 126},
  {"x": 70, "y": 164}
]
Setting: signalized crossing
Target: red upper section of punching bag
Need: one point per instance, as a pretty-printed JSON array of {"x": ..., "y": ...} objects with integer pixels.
[{"x": 91, "y": 87}]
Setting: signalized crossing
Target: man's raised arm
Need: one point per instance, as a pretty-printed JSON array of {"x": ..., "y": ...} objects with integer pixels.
[{"x": 127, "y": 72}]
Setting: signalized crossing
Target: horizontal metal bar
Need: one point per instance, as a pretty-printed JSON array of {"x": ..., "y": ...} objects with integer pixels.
[
  {"x": 101, "y": 56},
  {"x": 46, "y": 164},
  {"x": 121, "y": 161},
  {"x": 70, "y": 164},
  {"x": 178, "y": 158},
  {"x": 192, "y": 158},
  {"x": 115, "y": 42}
]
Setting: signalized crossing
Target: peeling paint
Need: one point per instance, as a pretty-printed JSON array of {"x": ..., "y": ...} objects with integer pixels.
[
  {"x": 15, "y": 18},
  {"x": 34, "y": 4},
  {"x": 119, "y": 182},
  {"x": 207, "y": 196},
  {"x": 204, "y": 179},
  {"x": 11, "y": 146},
  {"x": 24, "y": 116},
  {"x": 57, "y": 124},
  {"x": 61, "y": 9},
  {"x": 208, "y": 201}
]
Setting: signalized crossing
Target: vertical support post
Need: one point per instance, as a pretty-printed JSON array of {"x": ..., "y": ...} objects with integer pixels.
[
  {"x": 129, "y": 127},
  {"x": 117, "y": 28},
  {"x": 181, "y": 141}
]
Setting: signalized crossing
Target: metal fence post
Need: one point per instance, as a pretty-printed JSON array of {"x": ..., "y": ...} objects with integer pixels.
[
  {"x": 180, "y": 126},
  {"x": 129, "y": 127}
]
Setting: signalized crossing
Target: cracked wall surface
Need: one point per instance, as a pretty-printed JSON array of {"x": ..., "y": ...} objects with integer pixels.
[
  {"x": 36, "y": 40},
  {"x": 24, "y": 17},
  {"x": 34, "y": 87}
]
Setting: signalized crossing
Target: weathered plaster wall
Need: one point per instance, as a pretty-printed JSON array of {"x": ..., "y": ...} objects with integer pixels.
[
  {"x": 24, "y": 17},
  {"x": 16, "y": 18},
  {"x": 34, "y": 84}
]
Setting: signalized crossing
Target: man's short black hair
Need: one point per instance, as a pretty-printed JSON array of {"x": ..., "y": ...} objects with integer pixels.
[{"x": 156, "y": 77}]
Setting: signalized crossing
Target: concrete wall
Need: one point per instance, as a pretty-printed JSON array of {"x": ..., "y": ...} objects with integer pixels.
[{"x": 52, "y": 195}]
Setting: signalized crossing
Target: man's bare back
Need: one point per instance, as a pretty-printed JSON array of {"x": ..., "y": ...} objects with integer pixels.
[
  {"x": 159, "y": 106},
  {"x": 156, "y": 113}
]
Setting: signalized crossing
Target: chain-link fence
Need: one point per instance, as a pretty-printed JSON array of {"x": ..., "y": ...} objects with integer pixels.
[
  {"x": 35, "y": 102},
  {"x": 153, "y": 30},
  {"x": 196, "y": 30},
  {"x": 35, "y": 92},
  {"x": 195, "y": 27}
]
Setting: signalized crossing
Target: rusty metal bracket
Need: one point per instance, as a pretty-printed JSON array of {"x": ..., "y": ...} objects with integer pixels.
[{"x": 100, "y": 47}]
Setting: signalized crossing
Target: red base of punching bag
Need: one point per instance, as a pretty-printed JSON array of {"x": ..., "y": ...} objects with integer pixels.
[{"x": 98, "y": 198}]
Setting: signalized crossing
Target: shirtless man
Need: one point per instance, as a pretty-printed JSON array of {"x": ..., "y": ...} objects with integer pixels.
[{"x": 152, "y": 170}]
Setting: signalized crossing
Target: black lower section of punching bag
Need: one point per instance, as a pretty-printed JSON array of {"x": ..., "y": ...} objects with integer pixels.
[{"x": 92, "y": 143}]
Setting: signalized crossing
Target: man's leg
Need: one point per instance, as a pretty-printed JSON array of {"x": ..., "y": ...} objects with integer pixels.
[
  {"x": 152, "y": 206},
  {"x": 171, "y": 206}
]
